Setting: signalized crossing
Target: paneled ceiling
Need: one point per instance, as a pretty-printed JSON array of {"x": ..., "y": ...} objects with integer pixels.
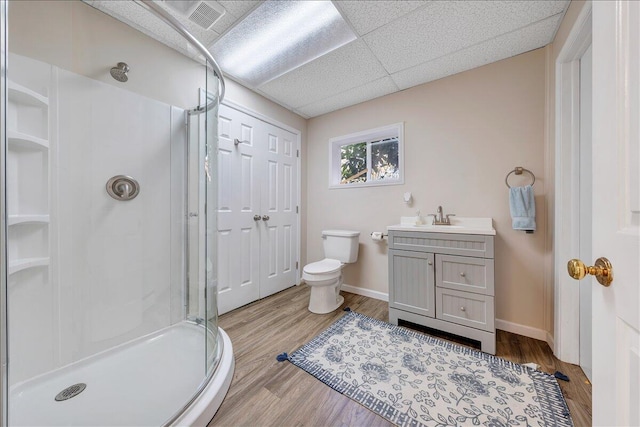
[{"x": 399, "y": 44}]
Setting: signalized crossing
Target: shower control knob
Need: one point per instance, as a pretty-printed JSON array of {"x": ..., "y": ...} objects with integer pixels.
[
  {"x": 256, "y": 217},
  {"x": 123, "y": 187},
  {"x": 265, "y": 217}
]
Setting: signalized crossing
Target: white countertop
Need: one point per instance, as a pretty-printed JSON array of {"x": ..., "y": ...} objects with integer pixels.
[{"x": 458, "y": 226}]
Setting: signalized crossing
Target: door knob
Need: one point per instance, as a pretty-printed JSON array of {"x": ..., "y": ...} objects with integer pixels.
[
  {"x": 265, "y": 217},
  {"x": 256, "y": 217},
  {"x": 603, "y": 270}
]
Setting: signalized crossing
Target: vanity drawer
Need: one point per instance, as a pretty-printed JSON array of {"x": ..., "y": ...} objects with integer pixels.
[
  {"x": 465, "y": 274},
  {"x": 473, "y": 245},
  {"x": 463, "y": 308}
]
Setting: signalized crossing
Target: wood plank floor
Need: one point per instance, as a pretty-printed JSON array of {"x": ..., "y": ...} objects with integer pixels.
[{"x": 265, "y": 392}]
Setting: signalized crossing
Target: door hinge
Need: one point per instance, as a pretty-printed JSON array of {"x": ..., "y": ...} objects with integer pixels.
[
  {"x": 297, "y": 153},
  {"x": 296, "y": 265},
  {"x": 297, "y": 211}
]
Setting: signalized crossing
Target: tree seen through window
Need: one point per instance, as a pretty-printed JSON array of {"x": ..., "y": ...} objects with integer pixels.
[{"x": 369, "y": 161}]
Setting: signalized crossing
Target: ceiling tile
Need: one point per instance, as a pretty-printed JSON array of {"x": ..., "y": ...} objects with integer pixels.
[
  {"x": 238, "y": 8},
  {"x": 445, "y": 27},
  {"x": 205, "y": 37},
  {"x": 347, "y": 67},
  {"x": 371, "y": 90},
  {"x": 223, "y": 24},
  {"x": 366, "y": 16},
  {"x": 235, "y": 10},
  {"x": 501, "y": 47},
  {"x": 280, "y": 36}
]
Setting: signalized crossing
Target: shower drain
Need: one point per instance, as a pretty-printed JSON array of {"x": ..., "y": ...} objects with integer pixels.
[{"x": 71, "y": 391}]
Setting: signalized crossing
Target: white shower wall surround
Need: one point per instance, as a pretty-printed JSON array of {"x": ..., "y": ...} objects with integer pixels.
[{"x": 111, "y": 264}]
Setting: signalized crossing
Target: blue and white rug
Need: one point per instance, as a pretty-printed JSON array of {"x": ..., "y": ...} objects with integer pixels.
[{"x": 415, "y": 380}]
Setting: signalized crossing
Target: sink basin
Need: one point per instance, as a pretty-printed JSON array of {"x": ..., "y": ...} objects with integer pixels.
[{"x": 458, "y": 226}]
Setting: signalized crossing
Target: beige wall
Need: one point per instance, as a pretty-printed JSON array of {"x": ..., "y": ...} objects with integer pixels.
[{"x": 463, "y": 134}]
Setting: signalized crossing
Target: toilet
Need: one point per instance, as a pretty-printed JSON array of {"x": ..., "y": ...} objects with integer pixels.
[{"x": 325, "y": 277}]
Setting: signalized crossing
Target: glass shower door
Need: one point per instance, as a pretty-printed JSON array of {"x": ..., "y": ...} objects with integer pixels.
[
  {"x": 202, "y": 189},
  {"x": 211, "y": 242}
]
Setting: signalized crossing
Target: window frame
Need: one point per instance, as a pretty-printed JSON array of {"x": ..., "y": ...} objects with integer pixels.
[{"x": 368, "y": 136}]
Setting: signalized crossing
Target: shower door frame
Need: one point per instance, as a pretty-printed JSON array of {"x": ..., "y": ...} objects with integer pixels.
[{"x": 3, "y": 223}]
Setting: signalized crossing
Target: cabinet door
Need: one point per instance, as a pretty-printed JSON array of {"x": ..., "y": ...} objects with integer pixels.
[{"x": 411, "y": 282}]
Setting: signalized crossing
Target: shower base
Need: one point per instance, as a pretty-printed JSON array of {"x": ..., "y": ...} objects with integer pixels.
[{"x": 142, "y": 383}]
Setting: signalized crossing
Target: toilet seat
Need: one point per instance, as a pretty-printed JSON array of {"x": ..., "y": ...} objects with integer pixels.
[
  {"x": 326, "y": 269},
  {"x": 326, "y": 265}
]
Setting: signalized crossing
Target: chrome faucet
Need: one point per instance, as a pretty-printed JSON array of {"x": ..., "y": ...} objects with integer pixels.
[{"x": 440, "y": 219}]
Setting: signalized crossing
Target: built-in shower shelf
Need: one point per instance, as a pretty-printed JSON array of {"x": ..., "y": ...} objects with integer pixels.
[
  {"x": 18, "y": 140},
  {"x": 25, "y": 263},
  {"x": 28, "y": 219},
  {"x": 26, "y": 96}
]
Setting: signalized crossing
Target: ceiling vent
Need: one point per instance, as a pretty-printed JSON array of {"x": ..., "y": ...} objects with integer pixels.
[{"x": 202, "y": 13}]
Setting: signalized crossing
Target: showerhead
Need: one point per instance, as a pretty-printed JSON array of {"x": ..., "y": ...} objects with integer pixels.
[{"x": 120, "y": 71}]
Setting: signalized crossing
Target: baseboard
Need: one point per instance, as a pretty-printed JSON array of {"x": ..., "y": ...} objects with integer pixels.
[
  {"x": 551, "y": 341},
  {"x": 524, "y": 330},
  {"x": 365, "y": 292}
]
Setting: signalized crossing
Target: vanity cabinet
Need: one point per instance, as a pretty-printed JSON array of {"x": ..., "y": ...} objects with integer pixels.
[{"x": 443, "y": 281}]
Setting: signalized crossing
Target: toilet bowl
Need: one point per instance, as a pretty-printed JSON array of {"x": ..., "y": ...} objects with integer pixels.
[{"x": 325, "y": 276}]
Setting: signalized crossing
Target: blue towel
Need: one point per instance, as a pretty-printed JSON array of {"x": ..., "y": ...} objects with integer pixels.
[{"x": 522, "y": 205}]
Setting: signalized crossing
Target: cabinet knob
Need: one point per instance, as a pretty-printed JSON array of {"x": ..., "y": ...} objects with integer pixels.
[
  {"x": 429, "y": 262},
  {"x": 463, "y": 309},
  {"x": 462, "y": 274}
]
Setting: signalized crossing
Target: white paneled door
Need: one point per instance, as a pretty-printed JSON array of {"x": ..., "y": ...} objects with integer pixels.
[
  {"x": 257, "y": 209},
  {"x": 616, "y": 211}
]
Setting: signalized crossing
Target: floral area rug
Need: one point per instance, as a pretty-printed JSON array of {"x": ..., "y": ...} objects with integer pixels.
[{"x": 412, "y": 379}]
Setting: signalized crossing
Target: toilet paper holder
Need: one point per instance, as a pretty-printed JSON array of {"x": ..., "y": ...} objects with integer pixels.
[{"x": 378, "y": 235}]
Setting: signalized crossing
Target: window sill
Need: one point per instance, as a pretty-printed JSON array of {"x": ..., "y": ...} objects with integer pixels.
[{"x": 366, "y": 184}]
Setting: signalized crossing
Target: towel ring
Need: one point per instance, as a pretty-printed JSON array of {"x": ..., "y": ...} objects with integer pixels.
[{"x": 518, "y": 171}]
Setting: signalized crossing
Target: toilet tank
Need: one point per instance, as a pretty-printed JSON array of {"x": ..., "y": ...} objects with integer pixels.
[{"x": 341, "y": 245}]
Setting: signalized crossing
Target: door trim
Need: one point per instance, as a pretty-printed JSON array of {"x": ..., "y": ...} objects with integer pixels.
[
  {"x": 566, "y": 238},
  {"x": 239, "y": 107}
]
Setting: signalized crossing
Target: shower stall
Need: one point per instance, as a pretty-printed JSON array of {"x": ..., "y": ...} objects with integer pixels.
[{"x": 108, "y": 143}]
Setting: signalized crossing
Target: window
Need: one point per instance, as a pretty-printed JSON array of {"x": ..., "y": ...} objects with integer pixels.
[{"x": 372, "y": 157}]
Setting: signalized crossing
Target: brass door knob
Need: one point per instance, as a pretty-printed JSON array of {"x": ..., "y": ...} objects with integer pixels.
[{"x": 603, "y": 270}]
